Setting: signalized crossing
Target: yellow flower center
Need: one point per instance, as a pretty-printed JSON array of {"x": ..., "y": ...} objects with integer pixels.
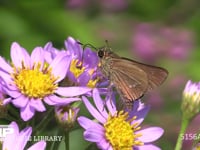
[
  {"x": 198, "y": 147},
  {"x": 92, "y": 83},
  {"x": 120, "y": 133},
  {"x": 35, "y": 82},
  {"x": 76, "y": 68}
]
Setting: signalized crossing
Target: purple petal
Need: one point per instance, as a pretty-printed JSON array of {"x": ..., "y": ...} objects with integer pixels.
[
  {"x": 49, "y": 101},
  {"x": 110, "y": 147},
  {"x": 47, "y": 52},
  {"x": 19, "y": 55},
  {"x": 48, "y": 46},
  {"x": 141, "y": 105},
  {"x": 96, "y": 114},
  {"x": 10, "y": 139},
  {"x": 140, "y": 113},
  {"x": 14, "y": 126},
  {"x": 72, "y": 91},
  {"x": 27, "y": 112},
  {"x": 74, "y": 48},
  {"x": 20, "y": 101},
  {"x": 37, "y": 105},
  {"x": 136, "y": 105},
  {"x": 110, "y": 105},
  {"x": 23, "y": 137},
  {"x": 99, "y": 103},
  {"x": 6, "y": 101},
  {"x": 6, "y": 78},
  {"x": 60, "y": 66},
  {"x": 55, "y": 100},
  {"x": 12, "y": 93},
  {"x": 71, "y": 77},
  {"x": 93, "y": 135},
  {"x": 103, "y": 144},
  {"x": 37, "y": 56},
  {"x": 7, "y": 82},
  {"x": 90, "y": 58},
  {"x": 83, "y": 79},
  {"x": 41, "y": 145},
  {"x": 103, "y": 91},
  {"x": 87, "y": 123},
  {"x": 148, "y": 147},
  {"x": 5, "y": 66},
  {"x": 69, "y": 100},
  {"x": 16, "y": 139},
  {"x": 150, "y": 134}
]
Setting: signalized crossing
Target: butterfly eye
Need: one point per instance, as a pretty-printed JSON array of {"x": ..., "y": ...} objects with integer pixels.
[{"x": 100, "y": 53}]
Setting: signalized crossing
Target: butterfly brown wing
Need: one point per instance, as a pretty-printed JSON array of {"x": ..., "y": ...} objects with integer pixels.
[
  {"x": 130, "y": 81},
  {"x": 156, "y": 75}
]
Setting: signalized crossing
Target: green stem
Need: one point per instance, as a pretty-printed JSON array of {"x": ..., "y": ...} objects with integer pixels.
[
  {"x": 44, "y": 121},
  {"x": 66, "y": 139},
  {"x": 10, "y": 118},
  {"x": 184, "y": 125},
  {"x": 13, "y": 111},
  {"x": 56, "y": 144}
]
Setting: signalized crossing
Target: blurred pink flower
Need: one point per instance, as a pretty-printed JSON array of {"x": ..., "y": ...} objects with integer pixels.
[
  {"x": 155, "y": 99},
  {"x": 151, "y": 42},
  {"x": 175, "y": 86}
]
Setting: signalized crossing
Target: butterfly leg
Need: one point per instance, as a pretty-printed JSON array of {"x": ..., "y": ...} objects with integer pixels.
[{"x": 128, "y": 105}]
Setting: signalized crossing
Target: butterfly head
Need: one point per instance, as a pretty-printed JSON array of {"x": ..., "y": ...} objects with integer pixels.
[{"x": 103, "y": 52}]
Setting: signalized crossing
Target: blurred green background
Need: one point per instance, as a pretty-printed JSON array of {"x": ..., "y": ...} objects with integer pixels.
[{"x": 159, "y": 32}]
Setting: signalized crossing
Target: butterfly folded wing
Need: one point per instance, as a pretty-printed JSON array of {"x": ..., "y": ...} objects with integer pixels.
[
  {"x": 130, "y": 81},
  {"x": 156, "y": 75}
]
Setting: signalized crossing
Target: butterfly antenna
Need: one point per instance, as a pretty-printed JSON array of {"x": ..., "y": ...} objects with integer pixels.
[
  {"x": 107, "y": 45},
  {"x": 106, "y": 41},
  {"x": 87, "y": 45}
]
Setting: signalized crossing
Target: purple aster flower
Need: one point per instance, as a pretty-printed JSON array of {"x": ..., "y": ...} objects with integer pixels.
[
  {"x": 51, "y": 52},
  {"x": 18, "y": 139},
  {"x": 84, "y": 63},
  {"x": 118, "y": 129},
  {"x": 66, "y": 115},
  {"x": 191, "y": 99},
  {"x": 30, "y": 80}
]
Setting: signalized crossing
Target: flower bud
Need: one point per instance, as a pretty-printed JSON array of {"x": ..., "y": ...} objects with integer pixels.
[
  {"x": 66, "y": 115},
  {"x": 191, "y": 100}
]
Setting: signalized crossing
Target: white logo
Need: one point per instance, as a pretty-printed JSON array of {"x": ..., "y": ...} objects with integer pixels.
[{"x": 5, "y": 130}]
